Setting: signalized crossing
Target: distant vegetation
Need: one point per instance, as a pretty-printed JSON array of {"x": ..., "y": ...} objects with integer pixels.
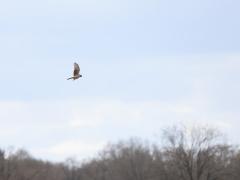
[{"x": 179, "y": 154}]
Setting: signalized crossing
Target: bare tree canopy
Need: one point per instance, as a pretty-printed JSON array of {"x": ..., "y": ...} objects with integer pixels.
[{"x": 197, "y": 153}]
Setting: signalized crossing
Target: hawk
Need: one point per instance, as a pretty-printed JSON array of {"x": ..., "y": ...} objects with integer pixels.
[{"x": 76, "y": 72}]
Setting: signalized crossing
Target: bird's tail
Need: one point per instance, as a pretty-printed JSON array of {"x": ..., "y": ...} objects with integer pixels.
[{"x": 70, "y": 78}]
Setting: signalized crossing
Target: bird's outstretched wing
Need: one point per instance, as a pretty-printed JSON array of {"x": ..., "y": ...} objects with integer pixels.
[{"x": 76, "y": 70}]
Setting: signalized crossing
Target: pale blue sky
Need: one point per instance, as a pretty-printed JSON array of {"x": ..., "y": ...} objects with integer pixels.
[{"x": 145, "y": 64}]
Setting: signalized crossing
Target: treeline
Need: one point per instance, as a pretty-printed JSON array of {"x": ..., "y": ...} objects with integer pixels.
[{"x": 179, "y": 154}]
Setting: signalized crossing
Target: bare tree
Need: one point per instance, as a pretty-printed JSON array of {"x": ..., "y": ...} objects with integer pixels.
[
  {"x": 131, "y": 160},
  {"x": 196, "y": 153}
]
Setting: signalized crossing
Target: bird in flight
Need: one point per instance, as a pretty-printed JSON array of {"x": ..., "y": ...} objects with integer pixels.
[{"x": 76, "y": 72}]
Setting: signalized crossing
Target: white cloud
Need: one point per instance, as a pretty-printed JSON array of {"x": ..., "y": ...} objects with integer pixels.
[
  {"x": 124, "y": 113},
  {"x": 54, "y": 131},
  {"x": 70, "y": 148},
  {"x": 45, "y": 123}
]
